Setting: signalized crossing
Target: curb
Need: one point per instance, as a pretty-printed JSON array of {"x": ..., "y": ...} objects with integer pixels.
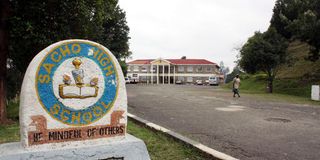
[{"x": 182, "y": 138}]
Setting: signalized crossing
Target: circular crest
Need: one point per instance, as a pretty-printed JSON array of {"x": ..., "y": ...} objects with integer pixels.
[{"x": 77, "y": 83}]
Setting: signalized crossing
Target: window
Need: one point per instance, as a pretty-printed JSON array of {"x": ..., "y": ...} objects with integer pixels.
[
  {"x": 154, "y": 69},
  {"x": 143, "y": 78},
  {"x": 180, "y": 68},
  {"x": 199, "y": 69},
  {"x": 208, "y": 69},
  {"x": 143, "y": 69},
  {"x": 189, "y": 79},
  {"x": 131, "y": 68},
  {"x": 134, "y": 75},
  {"x": 181, "y": 78},
  {"x": 135, "y": 68},
  {"x": 190, "y": 69}
]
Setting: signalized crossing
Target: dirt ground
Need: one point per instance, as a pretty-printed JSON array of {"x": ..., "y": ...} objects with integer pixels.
[{"x": 249, "y": 128}]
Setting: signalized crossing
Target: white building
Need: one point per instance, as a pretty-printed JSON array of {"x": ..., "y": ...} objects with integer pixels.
[{"x": 166, "y": 71}]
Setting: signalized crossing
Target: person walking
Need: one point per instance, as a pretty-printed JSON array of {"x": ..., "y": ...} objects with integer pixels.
[{"x": 236, "y": 84}]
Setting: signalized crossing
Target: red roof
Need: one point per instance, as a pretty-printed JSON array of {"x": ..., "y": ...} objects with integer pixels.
[
  {"x": 174, "y": 61},
  {"x": 189, "y": 61},
  {"x": 141, "y": 61}
]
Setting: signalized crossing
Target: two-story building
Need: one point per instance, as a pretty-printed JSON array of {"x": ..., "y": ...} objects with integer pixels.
[{"x": 166, "y": 71}]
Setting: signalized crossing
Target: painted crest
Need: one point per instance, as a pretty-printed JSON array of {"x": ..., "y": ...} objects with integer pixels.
[{"x": 76, "y": 83}]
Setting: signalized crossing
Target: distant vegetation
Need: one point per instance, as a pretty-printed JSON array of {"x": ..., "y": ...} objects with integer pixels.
[
  {"x": 294, "y": 77},
  {"x": 298, "y": 67},
  {"x": 264, "y": 52},
  {"x": 291, "y": 68},
  {"x": 299, "y": 19}
]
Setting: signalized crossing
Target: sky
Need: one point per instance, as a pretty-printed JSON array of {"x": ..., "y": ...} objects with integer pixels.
[{"x": 197, "y": 29}]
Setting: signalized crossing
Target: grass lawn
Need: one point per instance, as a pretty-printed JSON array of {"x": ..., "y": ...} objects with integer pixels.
[
  {"x": 9, "y": 133},
  {"x": 289, "y": 90},
  {"x": 160, "y": 146}
]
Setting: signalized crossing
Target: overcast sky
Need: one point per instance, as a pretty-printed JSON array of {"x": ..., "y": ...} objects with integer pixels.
[{"x": 209, "y": 29}]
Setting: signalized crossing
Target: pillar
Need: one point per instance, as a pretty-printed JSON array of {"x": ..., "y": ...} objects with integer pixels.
[
  {"x": 151, "y": 74},
  {"x": 157, "y": 73},
  {"x": 162, "y": 74},
  {"x": 174, "y": 74},
  {"x": 169, "y": 74}
]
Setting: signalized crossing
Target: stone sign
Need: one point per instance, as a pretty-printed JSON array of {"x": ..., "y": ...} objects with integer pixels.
[{"x": 73, "y": 95}]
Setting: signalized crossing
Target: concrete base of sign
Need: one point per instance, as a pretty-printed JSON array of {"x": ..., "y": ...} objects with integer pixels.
[{"x": 129, "y": 148}]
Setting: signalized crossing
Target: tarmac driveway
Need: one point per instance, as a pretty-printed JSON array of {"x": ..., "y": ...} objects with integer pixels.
[{"x": 247, "y": 128}]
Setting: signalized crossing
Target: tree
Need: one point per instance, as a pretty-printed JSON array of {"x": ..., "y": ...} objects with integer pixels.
[
  {"x": 299, "y": 19},
  {"x": 36, "y": 24},
  {"x": 264, "y": 52},
  {"x": 116, "y": 33},
  {"x": 224, "y": 70},
  {"x": 116, "y": 36},
  {"x": 307, "y": 28},
  {"x": 4, "y": 13},
  {"x": 221, "y": 65},
  {"x": 284, "y": 12},
  {"x": 236, "y": 70},
  {"x": 33, "y": 25}
]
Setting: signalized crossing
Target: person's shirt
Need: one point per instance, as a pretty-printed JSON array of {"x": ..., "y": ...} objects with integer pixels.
[{"x": 236, "y": 83}]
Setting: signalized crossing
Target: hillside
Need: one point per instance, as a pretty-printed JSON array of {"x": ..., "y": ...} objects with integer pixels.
[
  {"x": 298, "y": 67},
  {"x": 294, "y": 77}
]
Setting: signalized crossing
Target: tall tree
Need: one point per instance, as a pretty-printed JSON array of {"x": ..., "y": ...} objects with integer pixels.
[
  {"x": 116, "y": 35},
  {"x": 264, "y": 52},
  {"x": 39, "y": 23},
  {"x": 284, "y": 12},
  {"x": 4, "y": 13},
  {"x": 299, "y": 19}
]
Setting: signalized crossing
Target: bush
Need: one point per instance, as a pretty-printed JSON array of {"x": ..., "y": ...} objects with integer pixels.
[
  {"x": 260, "y": 77},
  {"x": 293, "y": 87},
  {"x": 13, "y": 110}
]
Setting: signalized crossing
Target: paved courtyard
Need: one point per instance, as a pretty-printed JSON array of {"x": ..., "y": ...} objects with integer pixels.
[{"x": 249, "y": 128}]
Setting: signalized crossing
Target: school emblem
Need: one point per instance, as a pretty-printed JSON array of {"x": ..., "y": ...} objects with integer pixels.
[{"x": 77, "y": 83}]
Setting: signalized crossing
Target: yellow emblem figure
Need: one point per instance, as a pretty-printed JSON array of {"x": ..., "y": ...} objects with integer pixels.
[{"x": 78, "y": 75}]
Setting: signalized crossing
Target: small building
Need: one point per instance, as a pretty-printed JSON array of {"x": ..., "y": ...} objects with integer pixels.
[{"x": 169, "y": 71}]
